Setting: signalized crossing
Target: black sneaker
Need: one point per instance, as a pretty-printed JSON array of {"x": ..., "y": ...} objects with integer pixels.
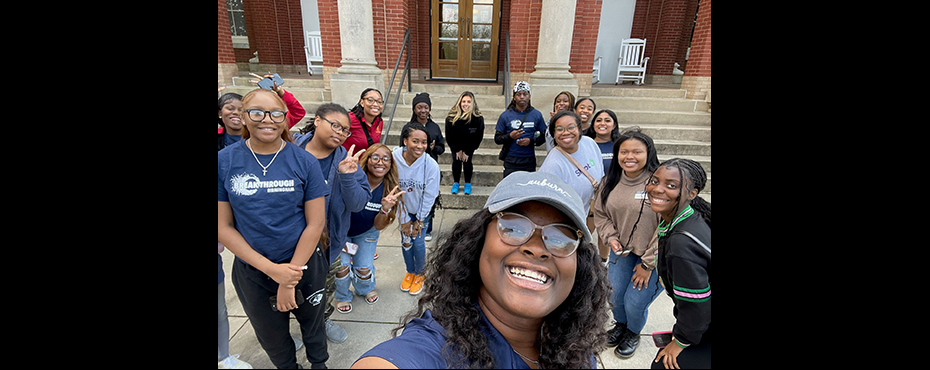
[
  {"x": 627, "y": 345},
  {"x": 616, "y": 334}
]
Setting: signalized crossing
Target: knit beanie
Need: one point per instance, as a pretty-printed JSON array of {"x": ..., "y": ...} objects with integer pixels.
[{"x": 422, "y": 98}]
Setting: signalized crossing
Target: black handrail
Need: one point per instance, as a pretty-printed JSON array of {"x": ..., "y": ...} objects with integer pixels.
[
  {"x": 508, "y": 92},
  {"x": 402, "y": 77}
]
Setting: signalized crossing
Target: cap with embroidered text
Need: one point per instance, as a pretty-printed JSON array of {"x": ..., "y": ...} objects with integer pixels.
[{"x": 522, "y": 186}]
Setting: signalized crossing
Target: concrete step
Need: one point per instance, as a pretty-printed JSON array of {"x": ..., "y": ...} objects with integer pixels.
[{"x": 479, "y": 196}]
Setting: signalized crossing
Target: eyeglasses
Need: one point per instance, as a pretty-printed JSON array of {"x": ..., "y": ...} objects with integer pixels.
[
  {"x": 569, "y": 128},
  {"x": 515, "y": 229},
  {"x": 337, "y": 128},
  {"x": 259, "y": 115},
  {"x": 373, "y": 101},
  {"x": 376, "y": 158}
]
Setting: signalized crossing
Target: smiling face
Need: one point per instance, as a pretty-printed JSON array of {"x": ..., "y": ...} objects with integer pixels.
[
  {"x": 603, "y": 125},
  {"x": 562, "y": 103},
  {"x": 372, "y": 103},
  {"x": 585, "y": 109},
  {"x": 380, "y": 168},
  {"x": 264, "y": 130},
  {"x": 632, "y": 156},
  {"x": 525, "y": 281},
  {"x": 422, "y": 112},
  {"x": 416, "y": 144},
  {"x": 665, "y": 192},
  {"x": 231, "y": 114},
  {"x": 567, "y": 133},
  {"x": 465, "y": 106}
]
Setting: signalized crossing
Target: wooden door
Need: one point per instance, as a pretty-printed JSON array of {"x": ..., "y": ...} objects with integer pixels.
[{"x": 465, "y": 35}]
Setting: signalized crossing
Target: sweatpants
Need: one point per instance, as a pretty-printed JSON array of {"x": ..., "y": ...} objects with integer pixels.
[{"x": 272, "y": 328}]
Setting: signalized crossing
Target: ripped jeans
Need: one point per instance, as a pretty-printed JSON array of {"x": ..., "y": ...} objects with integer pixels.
[
  {"x": 364, "y": 280},
  {"x": 414, "y": 250}
]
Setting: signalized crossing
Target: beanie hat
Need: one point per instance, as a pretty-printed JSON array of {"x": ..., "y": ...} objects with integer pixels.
[{"x": 422, "y": 98}]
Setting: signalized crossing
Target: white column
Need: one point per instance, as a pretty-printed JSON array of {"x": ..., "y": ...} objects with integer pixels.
[
  {"x": 551, "y": 74},
  {"x": 359, "y": 68}
]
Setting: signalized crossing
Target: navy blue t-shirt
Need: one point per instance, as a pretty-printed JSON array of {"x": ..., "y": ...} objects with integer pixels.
[
  {"x": 534, "y": 123},
  {"x": 269, "y": 209},
  {"x": 364, "y": 220},
  {"x": 427, "y": 337},
  {"x": 607, "y": 153}
]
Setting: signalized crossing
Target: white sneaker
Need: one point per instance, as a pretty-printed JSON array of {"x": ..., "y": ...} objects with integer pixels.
[
  {"x": 428, "y": 237},
  {"x": 232, "y": 362}
]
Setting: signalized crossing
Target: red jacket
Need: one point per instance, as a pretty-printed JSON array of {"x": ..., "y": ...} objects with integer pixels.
[{"x": 358, "y": 137}]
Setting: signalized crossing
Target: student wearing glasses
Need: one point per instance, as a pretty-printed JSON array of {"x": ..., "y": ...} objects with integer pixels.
[
  {"x": 366, "y": 121},
  {"x": 366, "y": 227},
  {"x": 565, "y": 128},
  {"x": 348, "y": 189},
  {"x": 271, "y": 197},
  {"x": 517, "y": 285}
]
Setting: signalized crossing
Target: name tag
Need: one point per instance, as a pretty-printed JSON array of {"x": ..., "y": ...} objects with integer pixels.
[{"x": 640, "y": 195}]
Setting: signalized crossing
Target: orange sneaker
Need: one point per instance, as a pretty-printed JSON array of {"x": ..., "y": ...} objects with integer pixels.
[
  {"x": 408, "y": 280},
  {"x": 417, "y": 285}
]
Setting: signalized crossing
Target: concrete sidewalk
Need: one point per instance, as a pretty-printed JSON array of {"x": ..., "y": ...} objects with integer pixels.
[{"x": 369, "y": 325}]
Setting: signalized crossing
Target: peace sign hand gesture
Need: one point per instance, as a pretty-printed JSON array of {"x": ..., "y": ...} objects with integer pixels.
[
  {"x": 390, "y": 200},
  {"x": 350, "y": 163}
]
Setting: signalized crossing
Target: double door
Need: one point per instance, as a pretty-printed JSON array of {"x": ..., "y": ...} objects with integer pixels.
[{"x": 465, "y": 36}]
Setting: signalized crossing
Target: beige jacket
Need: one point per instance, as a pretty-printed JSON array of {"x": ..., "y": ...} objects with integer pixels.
[{"x": 615, "y": 220}]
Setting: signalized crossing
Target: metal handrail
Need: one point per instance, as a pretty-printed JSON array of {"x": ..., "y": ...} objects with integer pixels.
[
  {"x": 508, "y": 92},
  {"x": 400, "y": 86}
]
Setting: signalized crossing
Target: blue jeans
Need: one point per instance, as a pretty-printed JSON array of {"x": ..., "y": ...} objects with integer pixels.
[
  {"x": 363, "y": 258},
  {"x": 630, "y": 305},
  {"x": 415, "y": 254}
]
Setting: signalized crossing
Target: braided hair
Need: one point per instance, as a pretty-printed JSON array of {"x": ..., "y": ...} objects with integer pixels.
[
  {"x": 696, "y": 179},
  {"x": 359, "y": 111}
]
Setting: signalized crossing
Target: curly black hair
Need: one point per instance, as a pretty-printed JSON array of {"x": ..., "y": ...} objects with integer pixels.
[{"x": 569, "y": 335}]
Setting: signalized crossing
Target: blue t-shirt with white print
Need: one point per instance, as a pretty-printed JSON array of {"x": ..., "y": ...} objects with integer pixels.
[
  {"x": 269, "y": 209},
  {"x": 534, "y": 123}
]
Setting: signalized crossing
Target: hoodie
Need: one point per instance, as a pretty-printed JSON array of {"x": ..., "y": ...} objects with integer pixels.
[
  {"x": 421, "y": 181},
  {"x": 350, "y": 192}
]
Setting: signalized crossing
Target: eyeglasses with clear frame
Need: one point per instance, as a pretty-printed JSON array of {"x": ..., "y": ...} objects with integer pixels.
[
  {"x": 337, "y": 128},
  {"x": 560, "y": 239},
  {"x": 258, "y": 115},
  {"x": 377, "y": 158}
]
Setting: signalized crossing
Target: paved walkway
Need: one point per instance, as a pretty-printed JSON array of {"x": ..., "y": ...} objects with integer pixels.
[{"x": 368, "y": 325}]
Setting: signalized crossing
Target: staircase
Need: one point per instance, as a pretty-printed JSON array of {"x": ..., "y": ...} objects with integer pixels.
[{"x": 680, "y": 127}]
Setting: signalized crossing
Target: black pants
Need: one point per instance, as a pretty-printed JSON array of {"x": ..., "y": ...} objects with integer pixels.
[
  {"x": 514, "y": 164},
  {"x": 458, "y": 165},
  {"x": 272, "y": 328}
]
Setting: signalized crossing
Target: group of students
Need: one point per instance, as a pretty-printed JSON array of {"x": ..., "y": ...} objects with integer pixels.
[{"x": 537, "y": 301}]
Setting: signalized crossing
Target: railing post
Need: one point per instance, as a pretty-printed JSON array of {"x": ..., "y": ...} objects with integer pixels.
[{"x": 401, "y": 84}]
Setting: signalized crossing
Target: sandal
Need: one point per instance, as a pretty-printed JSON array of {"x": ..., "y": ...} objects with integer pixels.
[
  {"x": 369, "y": 295},
  {"x": 341, "y": 305}
]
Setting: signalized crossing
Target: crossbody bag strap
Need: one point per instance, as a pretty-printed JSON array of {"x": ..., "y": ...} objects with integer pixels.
[{"x": 580, "y": 167}]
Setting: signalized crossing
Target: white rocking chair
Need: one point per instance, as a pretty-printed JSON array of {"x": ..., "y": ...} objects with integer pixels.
[
  {"x": 631, "y": 66},
  {"x": 314, "y": 52}
]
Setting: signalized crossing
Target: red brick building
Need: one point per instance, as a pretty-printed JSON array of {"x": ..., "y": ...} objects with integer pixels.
[{"x": 464, "y": 39}]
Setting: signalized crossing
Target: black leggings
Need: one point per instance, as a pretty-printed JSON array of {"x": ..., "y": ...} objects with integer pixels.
[{"x": 457, "y": 167}]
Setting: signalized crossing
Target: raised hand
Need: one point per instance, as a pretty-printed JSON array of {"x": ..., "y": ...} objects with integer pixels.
[
  {"x": 350, "y": 163},
  {"x": 390, "y": 200}
]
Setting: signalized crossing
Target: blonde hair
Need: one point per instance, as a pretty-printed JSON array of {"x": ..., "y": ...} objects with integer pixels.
[
  {"x": 456, "y": 111},
  {"x": 286, "y": 135}
]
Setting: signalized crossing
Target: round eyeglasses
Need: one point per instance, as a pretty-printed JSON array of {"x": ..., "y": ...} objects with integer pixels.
[
  {"x": 377, "y": 158},
  {"x": 259, "y": 115},
  {"x": 515, "y": 229}
]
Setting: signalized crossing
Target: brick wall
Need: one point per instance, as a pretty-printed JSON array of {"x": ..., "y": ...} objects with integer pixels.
[
  {"x": 584, "y": 35},
  {"x": 329, "y": 32},
  {"x": 224, "y": 49},
  {"x": 666, "y": 26},
  {"x": 276, "y": 31},
  {"x": 524, "y": 34},
  {"x": 699, "y": 60}
]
